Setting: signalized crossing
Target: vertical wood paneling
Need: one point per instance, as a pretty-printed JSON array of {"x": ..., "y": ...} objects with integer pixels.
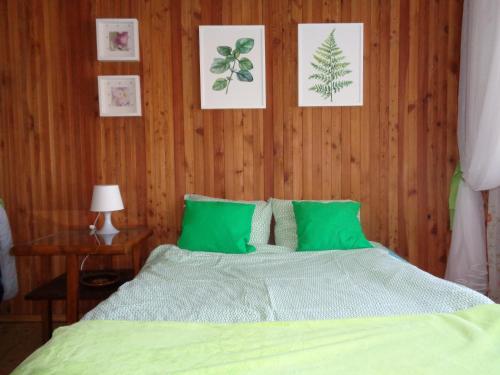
[{"x": 396, "y": 153}]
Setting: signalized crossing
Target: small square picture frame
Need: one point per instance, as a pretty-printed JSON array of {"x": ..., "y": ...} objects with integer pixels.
[
  {"x": 117, "y": 39},
  {"x": 119, "y": 96}
]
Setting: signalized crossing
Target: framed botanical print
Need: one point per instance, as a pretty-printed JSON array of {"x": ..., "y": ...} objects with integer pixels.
[
  {"x": 330, "y": 64},
  {"x": 117, "y": 39},
  {"x": 119, "y": 96},
  {"x": 232, "y": 67}
]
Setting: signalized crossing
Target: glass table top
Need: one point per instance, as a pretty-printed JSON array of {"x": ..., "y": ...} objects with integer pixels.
[{"x": 83, "y": 239}]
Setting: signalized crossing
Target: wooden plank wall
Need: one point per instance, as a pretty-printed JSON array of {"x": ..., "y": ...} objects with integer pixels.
[{"x": 396, "y": 153}]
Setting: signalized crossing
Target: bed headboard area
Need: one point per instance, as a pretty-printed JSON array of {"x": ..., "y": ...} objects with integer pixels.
[{"x": 395, "y": 154}]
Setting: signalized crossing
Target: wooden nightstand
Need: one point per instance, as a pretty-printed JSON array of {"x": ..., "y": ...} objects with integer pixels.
[
  {"x": 75, "y": 243},
  {"x": 55, "y": 290}
]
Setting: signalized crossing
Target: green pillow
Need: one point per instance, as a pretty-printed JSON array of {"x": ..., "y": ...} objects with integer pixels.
[
  {"x": 261, "y": 219},
  {"x": 220, "y": 227},
  {"x": 285, "y": 228},
  {"x": 329, "y": 226}
]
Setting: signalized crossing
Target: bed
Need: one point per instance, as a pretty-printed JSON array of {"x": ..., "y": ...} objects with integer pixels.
[
  {"x": 277, "y": 311},
  {"x": 276, "y": 284}
]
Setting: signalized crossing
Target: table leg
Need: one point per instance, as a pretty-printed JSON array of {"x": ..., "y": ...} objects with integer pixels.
[
  {"x": 72, "y": 283},
  {"x": 136, "y": 258},
  {"x": 47, "y": 321}
]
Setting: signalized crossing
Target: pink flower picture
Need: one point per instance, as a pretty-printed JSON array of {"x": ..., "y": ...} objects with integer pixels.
[
  {"x": 120, "y": 96},
  {"x": 118, "y": 41}
]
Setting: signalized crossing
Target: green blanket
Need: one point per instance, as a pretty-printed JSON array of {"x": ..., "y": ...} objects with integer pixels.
[{"x": 466, "y": 342}]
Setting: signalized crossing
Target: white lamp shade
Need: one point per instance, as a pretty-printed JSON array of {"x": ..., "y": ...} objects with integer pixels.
[{"x": 106, "y": 198}]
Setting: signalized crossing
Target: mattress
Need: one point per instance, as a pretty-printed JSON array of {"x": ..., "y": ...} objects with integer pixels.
[{"x": 276, "y": 284}]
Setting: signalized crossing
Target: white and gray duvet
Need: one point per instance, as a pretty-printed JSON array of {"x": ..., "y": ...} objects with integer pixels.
[{"x": 273, "y": 284}]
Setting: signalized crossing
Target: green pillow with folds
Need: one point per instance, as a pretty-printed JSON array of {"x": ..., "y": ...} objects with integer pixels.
[
  {"x": 329, "y": 226},
  {"x": 220, "y": 227},
  {"x": 261, "y": 219}
]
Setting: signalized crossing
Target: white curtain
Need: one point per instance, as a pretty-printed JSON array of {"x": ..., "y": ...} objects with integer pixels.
[
  {"x": 479, "y": 142},
  {"x": 494, "y": 243},
  {"x": 7, "y": 261}
]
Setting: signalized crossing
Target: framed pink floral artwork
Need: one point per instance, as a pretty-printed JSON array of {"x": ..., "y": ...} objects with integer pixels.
[
  {"x": 117, "y": 39},
  {"x": 119, "y": 96}
]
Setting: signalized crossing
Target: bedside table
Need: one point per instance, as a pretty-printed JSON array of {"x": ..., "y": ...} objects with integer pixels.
[
  {"x": 55, "y": 290},
  {"x": 75, "y": 243}
]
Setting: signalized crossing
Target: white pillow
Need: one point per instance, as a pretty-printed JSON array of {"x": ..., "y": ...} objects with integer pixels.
[
  {"x": 285, "y": 229},
  {"x": 261, "y": 219}
]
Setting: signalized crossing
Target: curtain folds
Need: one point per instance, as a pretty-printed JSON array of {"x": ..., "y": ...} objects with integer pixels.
[
  {"x": 479, "y": 144},
  {"x": 494, "y": 243}
]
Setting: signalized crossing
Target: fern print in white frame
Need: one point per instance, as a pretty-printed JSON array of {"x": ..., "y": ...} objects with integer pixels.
[
  {"x": 330, "y": 64},
  {"x": 232, "y": 66}
]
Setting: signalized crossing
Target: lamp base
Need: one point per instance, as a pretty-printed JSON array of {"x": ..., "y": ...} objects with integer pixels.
[
  {"x": 107, "y": 227},
  {"x": 108, "y": 238}
]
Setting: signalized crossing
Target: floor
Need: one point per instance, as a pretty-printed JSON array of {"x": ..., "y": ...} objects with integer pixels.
[{"x": 17, "y": 341}]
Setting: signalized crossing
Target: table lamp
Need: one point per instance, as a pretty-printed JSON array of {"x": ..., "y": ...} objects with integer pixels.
[{"x": 106, "y": 199}]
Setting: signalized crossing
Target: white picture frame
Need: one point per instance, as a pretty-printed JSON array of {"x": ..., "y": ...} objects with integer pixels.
[
  {"x": 119, "y": 96},
  {"x": 117, "y": 39},
  {"x": 329, "y": 91},
  {"x": 237, "y": 91}
]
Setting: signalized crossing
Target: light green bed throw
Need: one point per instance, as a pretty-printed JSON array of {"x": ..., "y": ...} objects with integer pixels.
[{"x": 467, "y": 342}]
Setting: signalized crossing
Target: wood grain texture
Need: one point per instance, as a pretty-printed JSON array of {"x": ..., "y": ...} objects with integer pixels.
[{"x": 395, "y": 154}]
